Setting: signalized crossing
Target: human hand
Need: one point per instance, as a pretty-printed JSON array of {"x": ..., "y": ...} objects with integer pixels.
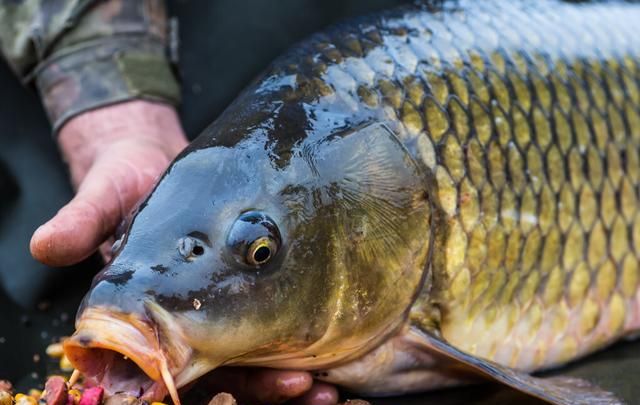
[
  {"x": 115, "y": 155},
  {"x": 269, "y": 386}
]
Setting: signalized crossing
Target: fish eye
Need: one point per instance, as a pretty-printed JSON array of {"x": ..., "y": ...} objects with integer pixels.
[
  {"x": 260, "y": 251},
  {"x": 254, "y": 239}
]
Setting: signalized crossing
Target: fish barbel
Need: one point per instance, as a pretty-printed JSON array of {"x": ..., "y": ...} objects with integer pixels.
[{"x": 434, "y": 185}]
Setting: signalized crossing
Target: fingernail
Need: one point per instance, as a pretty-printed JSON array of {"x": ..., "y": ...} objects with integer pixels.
[
  {"x": 321, "y": 394},
  {"x": 292, "y": 382}
]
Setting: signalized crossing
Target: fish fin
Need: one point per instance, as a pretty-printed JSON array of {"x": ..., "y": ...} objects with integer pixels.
[
  {"x": 398, "y": 366},
  {"x": 558, "y": 390},
  {"x": 370, "y": 189}
]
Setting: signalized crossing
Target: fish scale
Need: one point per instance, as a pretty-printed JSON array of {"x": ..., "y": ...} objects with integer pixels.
[{"x": 527, "y": 116}]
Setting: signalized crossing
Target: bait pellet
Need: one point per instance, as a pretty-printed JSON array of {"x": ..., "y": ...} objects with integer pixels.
[
  {"x": 5, "y": 398},
  {"x": 55, "y": 351},
  {"x": 65, "y": 364}
]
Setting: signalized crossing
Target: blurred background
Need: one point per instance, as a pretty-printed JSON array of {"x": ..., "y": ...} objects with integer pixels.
[{"x": 224, "y": 45}]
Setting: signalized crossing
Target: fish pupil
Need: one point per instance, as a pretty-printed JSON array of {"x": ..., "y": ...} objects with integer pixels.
[
  {"x": 198, "y": 250},
  {"x": 261, "y": 254}
]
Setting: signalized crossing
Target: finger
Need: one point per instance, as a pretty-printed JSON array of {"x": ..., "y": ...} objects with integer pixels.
[
  {"x": 276, "y": 386},
  {"x": 320, "y": 394},
  {"x": 72, "y": 235},
  {"x": 110, "y": 189},
  {"x": 106, "y": 250},
  {"x": 267, "y": 386}
]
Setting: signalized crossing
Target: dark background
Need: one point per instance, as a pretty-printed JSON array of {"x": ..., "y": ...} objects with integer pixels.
[{"x": 224, "y": 44}]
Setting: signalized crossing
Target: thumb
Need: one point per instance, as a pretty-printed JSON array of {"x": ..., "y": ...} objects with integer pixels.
[{"x": 110, "y": 189}]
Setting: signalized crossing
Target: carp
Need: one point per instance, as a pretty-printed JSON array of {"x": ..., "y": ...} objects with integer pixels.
[{"x": 401, "y": 202}]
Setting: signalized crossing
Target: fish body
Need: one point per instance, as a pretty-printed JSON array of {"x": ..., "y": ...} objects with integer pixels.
[{"x": 429, "y": 186}]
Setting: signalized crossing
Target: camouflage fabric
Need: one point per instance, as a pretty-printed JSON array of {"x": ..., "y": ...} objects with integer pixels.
[{"x": 84, "y": 54}]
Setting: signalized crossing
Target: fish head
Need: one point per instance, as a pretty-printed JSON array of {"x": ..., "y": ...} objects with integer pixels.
[{"x": 254, "y": 253}]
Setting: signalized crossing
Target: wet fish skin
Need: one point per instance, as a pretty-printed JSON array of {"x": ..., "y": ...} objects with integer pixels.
[
  {"x": 507, "y": 222},
  {"x": 527, "y": 117}
]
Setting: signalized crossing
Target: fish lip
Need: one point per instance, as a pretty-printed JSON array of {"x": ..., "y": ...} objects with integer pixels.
[{"x": 100, "y": 330}]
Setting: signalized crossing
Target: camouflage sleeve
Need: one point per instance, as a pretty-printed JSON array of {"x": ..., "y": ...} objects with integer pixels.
[{"x": 84, "y": 54}]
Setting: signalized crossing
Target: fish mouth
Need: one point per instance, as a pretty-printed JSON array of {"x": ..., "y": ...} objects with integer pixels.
[{"x": 122, "y": 353}]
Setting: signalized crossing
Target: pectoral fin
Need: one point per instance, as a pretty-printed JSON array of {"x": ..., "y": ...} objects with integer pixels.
[{"x": 555, "y": 390}]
